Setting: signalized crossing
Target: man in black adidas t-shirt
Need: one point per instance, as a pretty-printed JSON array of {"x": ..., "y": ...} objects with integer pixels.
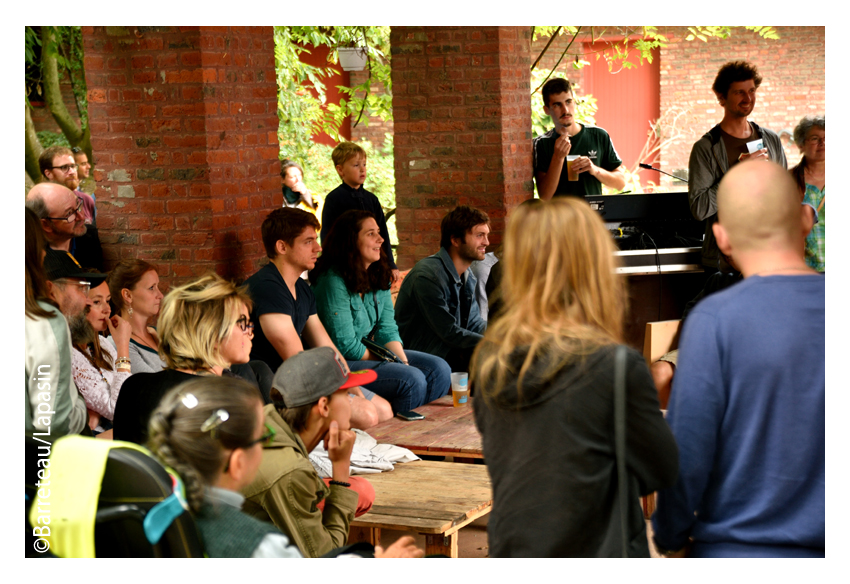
[{"x": 597, "y": 163}]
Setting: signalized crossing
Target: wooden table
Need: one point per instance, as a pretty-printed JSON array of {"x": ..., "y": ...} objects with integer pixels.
[
  {"x": 446, "y": 430},
  {"x": 435, "y": 499}
]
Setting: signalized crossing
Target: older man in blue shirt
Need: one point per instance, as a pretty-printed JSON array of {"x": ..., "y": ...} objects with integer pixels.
[{"x": 436, "y": 311}]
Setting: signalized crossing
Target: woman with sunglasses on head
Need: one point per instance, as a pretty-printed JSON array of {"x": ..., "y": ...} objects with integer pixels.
[
  {"x": 211, "y": 432},
  {"x": 203, "y": 330},
  {"x": 100, "y": 367},
  {"x": 134, "y": 287},
  {"x": 351, "y": 283}
]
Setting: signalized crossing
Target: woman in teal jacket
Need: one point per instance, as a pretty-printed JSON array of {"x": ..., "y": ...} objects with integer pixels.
[{"x": 351, "y": 283}]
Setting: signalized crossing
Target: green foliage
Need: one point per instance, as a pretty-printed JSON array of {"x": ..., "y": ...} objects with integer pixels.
[
  {"x": 302, "y": 103},
  {"x": 48, "y": 139}
]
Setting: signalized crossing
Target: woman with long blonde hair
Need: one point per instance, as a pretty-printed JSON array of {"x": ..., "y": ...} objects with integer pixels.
[{"x": 543, "y": 384}]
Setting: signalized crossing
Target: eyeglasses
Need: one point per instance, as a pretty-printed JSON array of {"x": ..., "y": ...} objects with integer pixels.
[
  {"x": 266, "y": 439},
  {"x": 84, "y": 286},
  {"x": 245, "y": 324},
  {"x": 816, "y": 140},
  {"x": 69, "y": 218},
  {"x": 65, "y": 167}
]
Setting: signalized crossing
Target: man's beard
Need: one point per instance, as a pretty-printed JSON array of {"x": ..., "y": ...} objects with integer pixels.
[{"x": 82, "y": 332}]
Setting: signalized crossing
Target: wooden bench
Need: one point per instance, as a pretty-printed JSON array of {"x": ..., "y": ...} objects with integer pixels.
[
  {"x": 446, "y": 430},
  {"x": 435, "y": 499}
]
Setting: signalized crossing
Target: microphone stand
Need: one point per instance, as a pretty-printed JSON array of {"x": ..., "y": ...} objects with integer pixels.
[{"x": 648, "y": 167}]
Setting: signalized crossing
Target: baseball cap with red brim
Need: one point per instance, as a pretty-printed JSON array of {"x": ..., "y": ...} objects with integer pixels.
[{"x": 307, "y": 376}]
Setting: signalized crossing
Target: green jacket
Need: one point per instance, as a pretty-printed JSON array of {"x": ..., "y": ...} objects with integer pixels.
[
  {"x": 287, "y": 489},
  {"x": 348, "y": 318}
]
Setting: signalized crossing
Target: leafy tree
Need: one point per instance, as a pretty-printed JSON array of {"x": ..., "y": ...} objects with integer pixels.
[
  {"x": 51, "y": 52},
  {"x": 302, "y": 103}
]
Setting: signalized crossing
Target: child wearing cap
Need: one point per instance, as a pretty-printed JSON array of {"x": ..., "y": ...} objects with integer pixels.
[{"x": 310, "y": 406}]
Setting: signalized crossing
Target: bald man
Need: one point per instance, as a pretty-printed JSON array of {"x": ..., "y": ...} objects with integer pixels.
[
  {"x": 60, "y": 212},
  {"x": 747, "y": 407}
]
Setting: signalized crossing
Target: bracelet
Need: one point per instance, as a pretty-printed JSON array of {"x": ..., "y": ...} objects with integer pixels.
[
  {"x": 340, "y": 483},
  {"x": 122, "y": 361}
]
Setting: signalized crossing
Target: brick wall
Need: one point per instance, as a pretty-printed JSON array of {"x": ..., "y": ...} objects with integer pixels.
[
  {"x": 794, "y": 82},
  {"x": 184, "y": 127},
  {"x": 463, "y": 131}
]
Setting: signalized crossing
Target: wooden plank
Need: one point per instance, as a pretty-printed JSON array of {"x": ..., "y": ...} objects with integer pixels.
[
  {"x": 445, "y": 430},
  {"x": 659, "y": 338},
  {"x": 371, "y": 535},
  {"x": 440, "y": 544},
  {"x": 428, "y": 497}
]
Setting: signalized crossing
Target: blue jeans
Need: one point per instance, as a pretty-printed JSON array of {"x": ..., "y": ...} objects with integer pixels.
[{"x": 408, "y": 386}]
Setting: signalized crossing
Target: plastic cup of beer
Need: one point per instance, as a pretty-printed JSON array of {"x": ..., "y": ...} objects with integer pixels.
[
  {"x": 571, "y": 176},
  {"x": 460, "y": 389}
]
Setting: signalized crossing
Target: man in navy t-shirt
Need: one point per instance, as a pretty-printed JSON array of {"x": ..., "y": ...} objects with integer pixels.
[{"x": 284, "y": 312}]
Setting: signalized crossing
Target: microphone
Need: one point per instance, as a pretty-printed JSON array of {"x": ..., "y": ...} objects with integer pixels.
[{"x": 648, "y": 167}]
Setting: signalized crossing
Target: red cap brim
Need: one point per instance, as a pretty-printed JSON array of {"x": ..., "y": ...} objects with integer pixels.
[{"x": 356, "y": 378}]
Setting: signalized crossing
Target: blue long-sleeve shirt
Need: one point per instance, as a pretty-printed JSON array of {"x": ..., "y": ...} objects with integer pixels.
[
  {"x": 747, "y": 411},
  {"x": 344, "y": 198}
]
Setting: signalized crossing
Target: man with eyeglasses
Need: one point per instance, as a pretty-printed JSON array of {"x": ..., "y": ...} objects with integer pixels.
[{"x": 63, "y": 217}]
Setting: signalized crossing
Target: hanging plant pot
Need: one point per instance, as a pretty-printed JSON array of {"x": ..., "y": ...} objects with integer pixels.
[{"x": 352, "y": 58}]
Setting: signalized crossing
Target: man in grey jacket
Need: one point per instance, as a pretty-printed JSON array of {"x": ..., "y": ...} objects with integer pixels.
[
  {"x": 436, "y": 311},
  {"x": 732, "y": 140}
]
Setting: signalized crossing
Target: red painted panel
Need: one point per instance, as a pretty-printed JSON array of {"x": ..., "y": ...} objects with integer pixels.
[
  {"x": 627, "y": 99},
  {"x": 318, "y": 57}
]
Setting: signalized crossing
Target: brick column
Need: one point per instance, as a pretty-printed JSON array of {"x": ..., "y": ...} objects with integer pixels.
[
  {"x": 184, "y": 132},
  {"x": 461, "y": 108}
]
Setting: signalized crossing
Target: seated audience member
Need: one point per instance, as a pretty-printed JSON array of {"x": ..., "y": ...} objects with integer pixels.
[
  {"x": 210, "y": 431},
  {"x": 665, "y": 367},
  {"x": 351, "y": 282},
  {"x": 203, "y": 329},
  {"x": 59, "y": 166},
  {"x": 295, "y": 192},
  {"x": 436, "y": 310},
  {"x": 482, "y": 270},
  {"x": 349, "y": 161},
  {"x": 54, "y": 408},
  {"x": 134, "y": 287},
  {"x": 100, "y": 367},
  {"x": 285, "y": 309},
  {"x": 60, "y": 212},
  {"x": 748, "y": 401},
  {"x": 83, "y": 172},
  {"x": 810, "y": 175},
  {"x": 310, "y": 405},
  {"x": 544, "y": 382}
]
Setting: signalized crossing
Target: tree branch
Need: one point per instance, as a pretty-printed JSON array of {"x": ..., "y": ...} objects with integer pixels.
[
  {"x": 53, "y": 91},
  {"x": 32, "y": 147},
  {"x": 543, "y": 52},
  {"x": 572, "y": 40}
]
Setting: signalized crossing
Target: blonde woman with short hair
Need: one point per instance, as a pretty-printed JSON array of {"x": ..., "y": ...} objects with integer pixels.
[
  {"x": 204, "y": 328},
  {"x": 543, "y": 383}
]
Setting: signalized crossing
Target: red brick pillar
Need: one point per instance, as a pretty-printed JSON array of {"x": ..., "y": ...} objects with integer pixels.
[
  {"x": 184, "y": 132},
  {"x": 461, "y": 109}
]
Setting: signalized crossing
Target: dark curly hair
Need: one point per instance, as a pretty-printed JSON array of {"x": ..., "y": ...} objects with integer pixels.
[
  {"x": 341, "y": 252},
  {"x": 732, "y": 72}
]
